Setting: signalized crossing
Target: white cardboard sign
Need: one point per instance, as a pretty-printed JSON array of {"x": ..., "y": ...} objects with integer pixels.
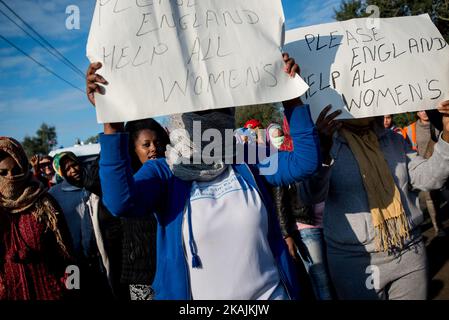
[
  {"x": 163, "y": 57},
  {"x": 402, "y": 65}
]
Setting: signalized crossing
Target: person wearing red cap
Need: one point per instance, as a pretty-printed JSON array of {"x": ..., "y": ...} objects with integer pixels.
[{"x": 253, "y": 126}]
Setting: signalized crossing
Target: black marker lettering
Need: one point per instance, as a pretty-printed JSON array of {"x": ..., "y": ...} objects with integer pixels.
[
  {"x": 442, "y": 42},
  {"x": 219, "y": 54},
  {"x": 413, "y": 89},
  {"x": 381, "y": 93},
  {"x": 356, "y": 78},
  {"x": 376, "y": 76},
  {"x": 429, "y": 84},
  {"x": 398, "y": 94},
  {"x": 122, "y": 55},
  {"x": 195, "y": 50},
  {"x": 354, "y": 55},
  {"x": 164, "y": 18},
  {"x": 233, "y": 78},
  {"x": 271, "y": 73},
  {"x": 394, "y": 50},
  {"x": 215, "y": 80},
  {"x": 206, "y": 57},
  {"x": 388, "y": 53},
  {"x": 237, "y": 20},
  {"x": 428, "y": 45},
  {"x": 360, "y": 33},
  {"x": 255, "y": 79},
  {"x": 310, "y": 38},
  {"x": 321, "y": 83},
  {"x": 373, "y": 29},
  {"x": 183, "y": 25},
  {"x": 318, "y": 48},
  {"x": 368, "y": 104},
  {"x": 252, "y": 17},
  {"x": 335, "y": 75},
  {"x": 135, "y": 58},
  {"x": 175, "y": 84},
  {"x": 372, "y": 53},
  {"x": 158, "y": 50},
  {"x": 350, "y": 37},
  {"x": 310, "y": 84},
  {"x": 144, "y": 21},
  {"x": 209, "y": 14},
  {"x": 332, "y": 39},
  {"x": 200, "y": 81},
  {"x": 412, "y": 43},
  {"x": 195, "y": 25}
]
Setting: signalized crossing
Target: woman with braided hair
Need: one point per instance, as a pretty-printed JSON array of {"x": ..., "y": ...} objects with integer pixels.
[{"x": 34, "y": 252}]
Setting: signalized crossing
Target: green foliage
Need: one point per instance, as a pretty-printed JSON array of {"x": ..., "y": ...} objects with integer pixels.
[
  {"x": 265, "y": 113},
  {"x": 93, "y": 139},
  {"x": 42, "y": 142},
  {"x": 402, "y": 120},
  {"x": 349, "y": 9}
]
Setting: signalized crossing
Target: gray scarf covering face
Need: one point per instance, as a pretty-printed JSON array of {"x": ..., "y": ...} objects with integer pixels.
[{"x": 192, "y": 159}]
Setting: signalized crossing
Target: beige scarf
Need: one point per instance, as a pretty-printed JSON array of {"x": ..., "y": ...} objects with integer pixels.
[
  {"x": 389, "y": 218},
  {"x": 23, "y": 191}
]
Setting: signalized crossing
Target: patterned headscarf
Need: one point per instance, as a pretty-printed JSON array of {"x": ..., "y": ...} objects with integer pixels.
[
  {"x": 21, "y": 191},
  {"x": 57, "y": 161}
]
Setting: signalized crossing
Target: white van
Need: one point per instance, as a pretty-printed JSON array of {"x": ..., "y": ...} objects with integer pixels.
[{"x": 86, "y": 152}]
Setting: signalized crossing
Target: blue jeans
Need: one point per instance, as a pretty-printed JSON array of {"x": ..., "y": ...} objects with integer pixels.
[{"x": 312, "y": 250}]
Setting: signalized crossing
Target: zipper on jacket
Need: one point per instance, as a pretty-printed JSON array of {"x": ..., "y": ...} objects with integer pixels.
[
  {"x": 186, "y": 260},
  {"x": 280, "y": 271}
]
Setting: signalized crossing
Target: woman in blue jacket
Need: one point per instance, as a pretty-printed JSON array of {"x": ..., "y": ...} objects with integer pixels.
[{"x": 218, "y": 236}]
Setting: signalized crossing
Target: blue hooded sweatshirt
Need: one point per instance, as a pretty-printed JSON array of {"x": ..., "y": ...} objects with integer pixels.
[{"x": 155, "y": 188}]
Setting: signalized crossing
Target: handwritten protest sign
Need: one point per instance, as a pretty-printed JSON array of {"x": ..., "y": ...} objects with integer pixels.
[
  {"x": 400, "y": 66},
  {"x": 162, "y": 57}
]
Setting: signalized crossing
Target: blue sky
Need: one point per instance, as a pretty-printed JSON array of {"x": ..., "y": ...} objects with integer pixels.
[{"x": 29, "y": 95}]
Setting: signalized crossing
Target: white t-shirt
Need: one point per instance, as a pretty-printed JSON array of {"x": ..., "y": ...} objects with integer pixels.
[{"x": 230, "y": 226}]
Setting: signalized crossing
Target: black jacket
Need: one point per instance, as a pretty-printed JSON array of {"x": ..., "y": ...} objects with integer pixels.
[
  {"x": 129, "y": 242},
  {"x": 291, "y": 209}
]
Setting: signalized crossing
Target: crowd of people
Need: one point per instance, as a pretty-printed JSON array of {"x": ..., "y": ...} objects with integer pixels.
[{"x": 145, "y": 221}]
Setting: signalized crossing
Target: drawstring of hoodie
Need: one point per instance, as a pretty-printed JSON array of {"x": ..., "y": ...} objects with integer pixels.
[{"x": 196, "y": 262}]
